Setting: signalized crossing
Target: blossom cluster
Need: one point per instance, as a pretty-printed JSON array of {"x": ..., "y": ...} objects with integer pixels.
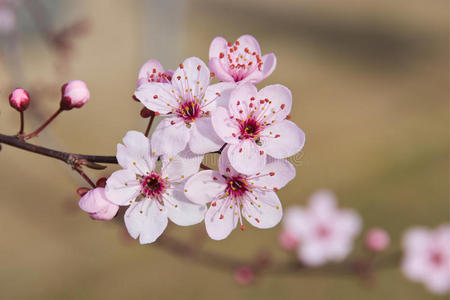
[{"x": 160, "y": 177}]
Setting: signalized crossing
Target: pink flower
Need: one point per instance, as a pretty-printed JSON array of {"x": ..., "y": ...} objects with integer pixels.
[
  {"x": 186, "y": 102},
  {"x": 74, "y": 94},
  {"x": 235, "y": 196},
  {"x": 153, "y": 195},
  {"x": 377, "y": 239},
  {"x": 288, "y": 240},
  {"x": 241, "y": 61},
  {"x": 427, "y": 257},
  {"x": 153, "y": 71},
  {"x": 255, "y": 126},
  {"x": 244, "y": 275},
  {"x": 325, "y": 232},
  {"x": 97, "y": 205},
  {"x": 19, "y": 99}
]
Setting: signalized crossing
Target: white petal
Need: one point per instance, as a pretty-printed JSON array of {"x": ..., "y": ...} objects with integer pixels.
[
  {"x": 122, "y": 187},
  {"x": 276, "y": 174},
  {"x": 146, "y": 220},
  {"x": 246, "y": 157},
  {"x": 312, "y": 254},
  {"x": 285, "y": 139},
  {"x": 193, "y": 76},
  {"x": 170, "y": 137},
  {"x": 203, "y": 138},
  {"x": 181, "y": 166},
  {"x": 157, "y": 97},
  {"x": 205, "y": 186},
  {"x": 217, "y": 95},
  {"x": 219, "y": 228},
  {"x": 266, "y": 211},
  {"x": 225, "y": 127},
  {"x": 136, "y": 153},
  {"x": 181, "y": 211}
]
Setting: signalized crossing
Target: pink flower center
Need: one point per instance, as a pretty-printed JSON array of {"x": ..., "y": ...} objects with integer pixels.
[
  {"x": 189, "y": 111},
  {"x": 323, "y": 232},
  {"x": 153, "y": 185},
  {"x": 249, "y": 128},
  {"x": 236, "y": 187},
  {"x": 241, "y": 61},
  {"x": 436, "y": 258}
]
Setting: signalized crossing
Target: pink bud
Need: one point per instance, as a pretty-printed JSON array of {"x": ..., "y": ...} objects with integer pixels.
[
  {"x": 19, "y": 99},
  {"x": 377, "y": 239},
  {"x": 97, "y": 205},
  {"x": 287, "y": 240},
  {"x": 74, "y": 94},
  {"x": 244, "y": 275}
]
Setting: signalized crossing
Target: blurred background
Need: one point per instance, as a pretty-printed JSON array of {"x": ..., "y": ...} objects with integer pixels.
[{"x": 370, "y": 81}]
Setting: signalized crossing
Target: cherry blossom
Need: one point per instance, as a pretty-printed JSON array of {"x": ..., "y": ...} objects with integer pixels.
[
  {"x": 255, "y": 125},
  {"x": 325, "y": 233},
  {"x": 153, "y": 71},
  {"x": 427, "y": 257},
  {"x": 153, "y": 196},
  {"x": 97, "y": 205},
  {"x": 187, "y": 102},
  {"x": 74, "y": 94},
  {"x": 235, "y": 196},
  {"x": 241, "y": 61},
  {"x": 19, "y": 99},
  {"x": 377, "y": 239}
]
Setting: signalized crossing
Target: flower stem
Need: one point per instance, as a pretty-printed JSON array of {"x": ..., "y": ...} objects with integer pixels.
[
  {"x": 149, "y": 126},
  {"x": 21, "y": 123},
  {"x": 37, "y": 131},
  {"x": 85, "y": 177}
]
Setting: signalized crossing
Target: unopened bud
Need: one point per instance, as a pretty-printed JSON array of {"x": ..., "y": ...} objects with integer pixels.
[
  {"x": 101, "y": 182},
  {"x": 377, "y": 239},
  {"x": 244, "y": 275},
  {"x": 74, "y": 94},
  {"x": 19, "y": 99}
]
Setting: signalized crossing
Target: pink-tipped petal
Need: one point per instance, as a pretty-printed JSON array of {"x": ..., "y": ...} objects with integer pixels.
[
  {"x": 286, "y": 139},
  {"x": 248, "y": 41},
  {"x": 191, "y": 79},
  {"x": 204, "y": 186},
  {"x": 170, "y": 137},
  {"x": 203, "y": 139},
  {"x": 275, "y": 175},
  {"x": 220, "y": 71},
  {"x": 218, "y": 45},
  {"x": 122, "y": 187},
  {"x": 149, "y": 70},
  {"x": 146, "y": 220},
  {"x": 157, "y": 97},
  {"x": 180, "y": 166},
  {"x": 240, "y": 99},
  {"x": 225, "y": 127},
  {"x": 266, "y": 211},
  {"x": 280, "y": 101},
  {"x": 183, "y": 212},
  {"x": 246, "y": 157},
  {"x": 220, "y": 222},
  {"x": 269, "y": 64}
]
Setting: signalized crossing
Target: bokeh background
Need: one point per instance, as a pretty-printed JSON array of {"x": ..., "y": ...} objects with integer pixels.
[{"x": 370, "y": 81}]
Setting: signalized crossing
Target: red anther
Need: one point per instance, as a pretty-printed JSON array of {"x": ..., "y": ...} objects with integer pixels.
[
  {"x": 101, "y": 182},
  {"x": 237, "y": 43},
  {"x": 257, "y": 220},
  {"x": 267, "y": 100},
  {"x": 154, "y": 70},
  {"x": 199, "y": 67},
  {"x": 261, "y": 152},
  {"x": 246, "y": 50},
  {"x": 272, "y": 173},
  {"x": 238, "y": 103},
  {"x": 172, "y": 122},
  {"x": 282, "y": 106},
  {"x": 254, "y": 53},
  {"x": 235, "y": 48},
  {"x": 218, "y": 94},
  {"x": 241, "y": 111},
  {"x": 169, "y": 78},
  {"x": 288, "y": 117},
  {"x": 250, "y": 105},
  {"x": 231, "y": 117},
  {"x": 240, "y": 150},
  {"x": 155, "y": 96},
  {"x": 213, "y": 204},
  {"x": 233, "y": 134},
  {"x": 178, "y": 77},
  {"x": 82, "y": 191},
  {"x": 242, "y": 227},
  {"x": 229, "y": 44},
  {"x": 221, "y": 55},
  {"x": 214, "y": 178},
  {"x": 156, "y": 113},
  {"x": 212, "y": 74},
  {"x": 181, "y": 66},
  {"x": 275, "y": 189},
  {"x": 228, "y": 170},
  {"x": 221, "y": 217},
  {"x": 261, "y": 101},
  {"x": 252, "y": 98}
]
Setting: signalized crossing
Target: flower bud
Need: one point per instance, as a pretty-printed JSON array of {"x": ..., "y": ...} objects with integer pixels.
[
  {"x": 97, "y": 205},
  {"x": 19, "y": 99},
  {"x": 377, "y": 239},
  {"x": 74, "y": 94},
  {"x": 287, "y": 240}
]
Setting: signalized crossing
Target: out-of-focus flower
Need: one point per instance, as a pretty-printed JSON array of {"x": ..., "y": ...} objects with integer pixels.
[
  {"x": 153, "y": 196},
  {"x": 288, "y": 240},
  {"x": 97, "y": 205},
  {"x": 153, "y": 71},
  {"x": 325, "y": 232},
  {"x": 244, "y": 275},
  {"x": 187, "y": 102},
  {"x": 7, "y": 19},
  {"x": 427, "y": 257},
  {"x": 235, "y": 196},
  {"x": 241, "y": 61},
  {"x": 74, "y": 94},
  {"x": 19, "y": 99},
  {"x": 255, "y": 126},
  {"x": 377, "y": 239}
]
